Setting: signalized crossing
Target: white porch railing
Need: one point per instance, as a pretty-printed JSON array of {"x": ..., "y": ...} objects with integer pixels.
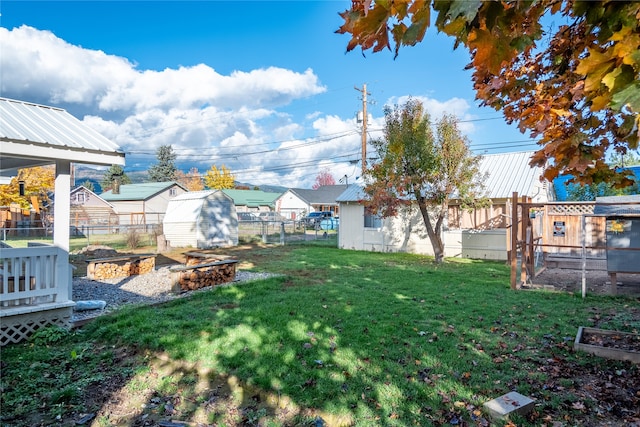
[
  {"x": 34, "y": 275},
  {"x": 35, "y": 290}
]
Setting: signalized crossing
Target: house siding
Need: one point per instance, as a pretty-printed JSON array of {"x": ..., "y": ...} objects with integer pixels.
[
  {"x": 291, "y": 206},
  {"x": 406, "y": 233}
]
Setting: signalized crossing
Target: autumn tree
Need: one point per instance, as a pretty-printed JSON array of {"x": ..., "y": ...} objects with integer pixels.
[
  {"x": 219, "y": 179},
  {"x": 191, "y": 180},
  {"x": 417, "y": 166},
  {"x": 575, "y": 85},
  {"x": 38, "y": 182},
  {"x": 323, "y": 178},
  {"x": 165, "y": 170},
  {"x": 111, "y": 174}
]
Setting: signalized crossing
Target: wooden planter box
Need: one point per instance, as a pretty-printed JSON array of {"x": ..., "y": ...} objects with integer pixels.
[{"x": 583, "y": 343}]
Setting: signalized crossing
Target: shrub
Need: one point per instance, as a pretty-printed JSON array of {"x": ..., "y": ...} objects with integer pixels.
[{"x": 133, "y": 238}]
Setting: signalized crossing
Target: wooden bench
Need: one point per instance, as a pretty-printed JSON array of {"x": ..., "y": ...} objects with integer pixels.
[
  {"x": 196, "y": 276},
  {"x": 120, "y": 266}
]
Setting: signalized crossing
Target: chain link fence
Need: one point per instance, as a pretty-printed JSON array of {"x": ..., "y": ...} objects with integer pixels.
[{"x": 139, "y": 235}]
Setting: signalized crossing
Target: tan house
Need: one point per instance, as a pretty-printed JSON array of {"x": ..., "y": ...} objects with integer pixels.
[
  {"x": 90, "y": 211},
  {"x": 479, "y": 234},
  {"x": 142, "y": 204}
]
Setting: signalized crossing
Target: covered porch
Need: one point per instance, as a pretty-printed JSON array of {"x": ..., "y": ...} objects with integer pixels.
[{"x": 36, "y": 282}]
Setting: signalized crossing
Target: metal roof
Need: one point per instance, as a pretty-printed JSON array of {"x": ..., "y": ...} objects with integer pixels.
[
  {"x": 353, "y": 193},
  {"x": 506, "y": 173},
  {"x": 33, "y": 135},
  {"x": 142, "y": 191},
  {"x": 252, "y": 198}
]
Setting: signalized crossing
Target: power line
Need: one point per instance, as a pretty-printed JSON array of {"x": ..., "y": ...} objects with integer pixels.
[{"x": 310, "y": 142}]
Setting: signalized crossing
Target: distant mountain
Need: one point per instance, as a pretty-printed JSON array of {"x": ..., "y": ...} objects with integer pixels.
[{"x": 93, "y": 175}]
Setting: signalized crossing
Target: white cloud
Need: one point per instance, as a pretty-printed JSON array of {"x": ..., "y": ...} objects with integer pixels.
[
  {"x": 456, "y": 106},
  {"x": 207, "y": 117}
]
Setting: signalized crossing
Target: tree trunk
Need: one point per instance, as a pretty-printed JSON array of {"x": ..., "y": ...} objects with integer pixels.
[{"x": 434, "y": 232}]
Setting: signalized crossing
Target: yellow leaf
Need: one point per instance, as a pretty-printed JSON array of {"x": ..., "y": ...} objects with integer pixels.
[
  {"x": 594, "y": 67},
  {"x": 561, "y": 113},
  {"x": 620, "y": 35},
  {"x": 599, "y": 102}
]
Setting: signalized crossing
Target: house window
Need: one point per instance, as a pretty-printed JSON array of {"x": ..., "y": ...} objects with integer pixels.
[
  {"x": 372, "y": 220},
  {"x": 173, "y": 192},
  {"x": 80, "y": 198}
]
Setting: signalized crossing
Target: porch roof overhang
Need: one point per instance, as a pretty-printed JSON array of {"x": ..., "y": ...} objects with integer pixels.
[
  {"x": 26, "y": 154},
  {"x": 36, "y": 135}
]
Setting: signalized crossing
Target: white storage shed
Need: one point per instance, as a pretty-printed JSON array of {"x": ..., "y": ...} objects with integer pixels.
[{"x": 201, "y": 219}]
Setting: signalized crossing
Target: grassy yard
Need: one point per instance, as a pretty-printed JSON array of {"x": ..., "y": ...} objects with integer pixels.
[{"x": 341, "y": 338}]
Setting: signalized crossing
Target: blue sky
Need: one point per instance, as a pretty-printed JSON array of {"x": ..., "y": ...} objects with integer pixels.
[{"x": 265, "y": 88}]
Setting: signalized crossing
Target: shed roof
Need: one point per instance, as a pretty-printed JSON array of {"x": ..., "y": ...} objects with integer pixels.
[
  {"x": 34, "y": 135},
  {"x": 252, "y": 198},
  {"x": 324, "y": 195},
  {"x": 617, "y": 205},
  {"x": 143, "y": 191},
  {"x": 353, "y": 193}
]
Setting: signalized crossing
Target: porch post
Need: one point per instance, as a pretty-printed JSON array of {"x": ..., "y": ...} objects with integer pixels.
[{"x": 61, "y": 207}]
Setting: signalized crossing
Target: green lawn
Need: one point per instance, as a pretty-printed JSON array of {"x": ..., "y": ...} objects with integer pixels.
[{"x": 354, "y": 338}]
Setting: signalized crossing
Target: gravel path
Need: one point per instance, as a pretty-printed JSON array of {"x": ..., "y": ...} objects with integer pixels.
[{"x": 147, "y": 288}]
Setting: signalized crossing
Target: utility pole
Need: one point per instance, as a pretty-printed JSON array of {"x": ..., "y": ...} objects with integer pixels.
[{"x": 364, "y": 126}]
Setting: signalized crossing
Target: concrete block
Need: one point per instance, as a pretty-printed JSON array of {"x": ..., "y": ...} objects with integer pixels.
[{"x": 501, "y": 407}]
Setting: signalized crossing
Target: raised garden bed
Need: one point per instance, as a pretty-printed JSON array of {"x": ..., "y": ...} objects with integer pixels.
[{"x": 609, "y": 344}]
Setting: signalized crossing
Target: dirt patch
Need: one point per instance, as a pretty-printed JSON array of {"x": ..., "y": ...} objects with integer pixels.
[
  {"x": 597, "y": 282},
  {"x": 620, "y": 341}
]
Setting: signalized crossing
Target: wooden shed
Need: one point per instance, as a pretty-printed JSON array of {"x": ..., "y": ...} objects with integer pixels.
[{"x": 201, "y": 219}]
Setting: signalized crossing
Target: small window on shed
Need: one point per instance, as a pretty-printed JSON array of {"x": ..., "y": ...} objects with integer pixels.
[{"x": 372, "y": 220}]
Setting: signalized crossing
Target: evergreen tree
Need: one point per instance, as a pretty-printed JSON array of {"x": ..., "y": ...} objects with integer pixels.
[
  {"x": 165, "y": 169},
  {"x": 113, "y": 173},
  {"x": 89, "y": 185}
]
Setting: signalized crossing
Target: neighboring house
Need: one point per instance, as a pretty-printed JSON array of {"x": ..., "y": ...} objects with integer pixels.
[
  {"x": 90, "y": 210},
  {"x": 37, "y": 135},
  {"x": 201, "y": 219},
  {"x": 142, "y": 204},
  {"x": 295, "y": 203},
  {"x": 253, "y": 200},
  {"x": 481, "y": 233}
]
